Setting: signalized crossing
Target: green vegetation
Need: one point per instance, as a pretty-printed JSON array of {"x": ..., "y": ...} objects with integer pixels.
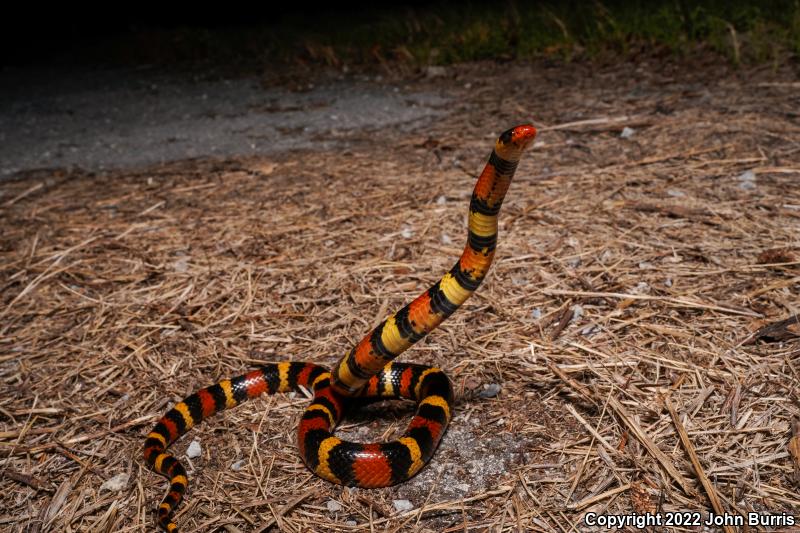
[
  {"x": 441, "y": 33},
  {"x": 741, "y": 30}
]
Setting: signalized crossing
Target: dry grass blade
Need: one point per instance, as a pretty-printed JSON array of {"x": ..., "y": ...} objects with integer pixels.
[{"x": 698, "y": 468}]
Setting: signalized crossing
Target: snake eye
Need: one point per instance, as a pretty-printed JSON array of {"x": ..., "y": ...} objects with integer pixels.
[{"x": 506, "y": 136}]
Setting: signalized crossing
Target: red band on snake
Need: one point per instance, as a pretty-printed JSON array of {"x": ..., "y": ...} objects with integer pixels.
[{"x": 366, "y": 371}]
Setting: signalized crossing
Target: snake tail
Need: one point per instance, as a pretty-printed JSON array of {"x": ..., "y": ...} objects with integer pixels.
[
  {"x": 336, "y": 460},
  {"x": 206, "y": 402}
]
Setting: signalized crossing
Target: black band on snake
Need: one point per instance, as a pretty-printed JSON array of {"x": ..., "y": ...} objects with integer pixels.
[{"x": 366, "y": 371}]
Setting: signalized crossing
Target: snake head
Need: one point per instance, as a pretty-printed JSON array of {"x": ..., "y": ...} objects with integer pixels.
[{"x": 511, "y": 143}]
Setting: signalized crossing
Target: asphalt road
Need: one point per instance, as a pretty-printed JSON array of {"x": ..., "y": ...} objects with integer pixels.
[{"x": 115, "y": 119}]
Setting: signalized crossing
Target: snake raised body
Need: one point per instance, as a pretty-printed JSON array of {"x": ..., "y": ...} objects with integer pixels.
[{"x": 367, "y": 371}]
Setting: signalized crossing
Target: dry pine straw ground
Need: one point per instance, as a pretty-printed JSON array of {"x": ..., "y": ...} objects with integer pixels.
[{"x": 631, "y": 276}]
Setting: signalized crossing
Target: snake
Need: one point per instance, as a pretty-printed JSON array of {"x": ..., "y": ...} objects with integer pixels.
[{"x": 367, "y": 372}]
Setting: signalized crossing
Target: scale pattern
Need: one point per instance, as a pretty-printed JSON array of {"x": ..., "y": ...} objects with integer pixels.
[{"x": 366, "y": 372}]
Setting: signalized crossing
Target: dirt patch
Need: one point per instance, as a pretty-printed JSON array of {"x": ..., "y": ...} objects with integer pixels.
[{"x": 631, "y": 274}]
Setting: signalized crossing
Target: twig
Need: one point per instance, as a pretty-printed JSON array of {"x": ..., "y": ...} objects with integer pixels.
[
  {"x": 25, "y": 479},
  {"x": 676, "y": 301},
  {"x": 23, "y": 194},
  {"x": 600, "y": 497},
  {"x": 648, "y": 443},
  {"x": 698, "y": 468},
  {"x": 633, "y": 426},
  {"x": 611, "y": 122}
]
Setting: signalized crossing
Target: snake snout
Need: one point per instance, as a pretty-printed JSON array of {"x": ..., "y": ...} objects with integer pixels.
[
  {"x": 514, "y": 141},
  {"x": 523, "y": 135}
]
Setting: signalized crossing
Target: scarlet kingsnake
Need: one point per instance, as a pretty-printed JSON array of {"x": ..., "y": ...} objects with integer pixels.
[{"x": 366, "y": 371}]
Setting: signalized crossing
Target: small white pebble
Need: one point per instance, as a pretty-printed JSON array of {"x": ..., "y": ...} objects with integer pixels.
[
  {"x": 490, "y": 390},
  {"x": 747, "y": 175},
  {"x": 193, "y": 450},
  {"x": 641, "y": 287},
  {"x": 675, "y": 193},
  {"x": 668, "y": 282},
  {"x": 402, "y": 505},
  {"x": 441, "y": 200},
  {"x": 238, "y": 465},
  {"x": 644, "y": 265},
  {"x": 747, "y": 180},
  {"x": 446, "y": 239},
  {"x": 333, "y": 506},
  {"x": 407, "y": 233},
  {"x": 577, "y": 311},
  {"x": 181, "y": 265},
  {"x": 351, "y": 523},
  {"x": 116, "y": 483},
  {"x": 627, "y": 132},
  {"x": 329, "y": 243},
  {"x": 536, "y": 314}
]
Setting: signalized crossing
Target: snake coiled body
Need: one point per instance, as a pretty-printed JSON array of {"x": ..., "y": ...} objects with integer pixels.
[{"x": 365, "y": 372}]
